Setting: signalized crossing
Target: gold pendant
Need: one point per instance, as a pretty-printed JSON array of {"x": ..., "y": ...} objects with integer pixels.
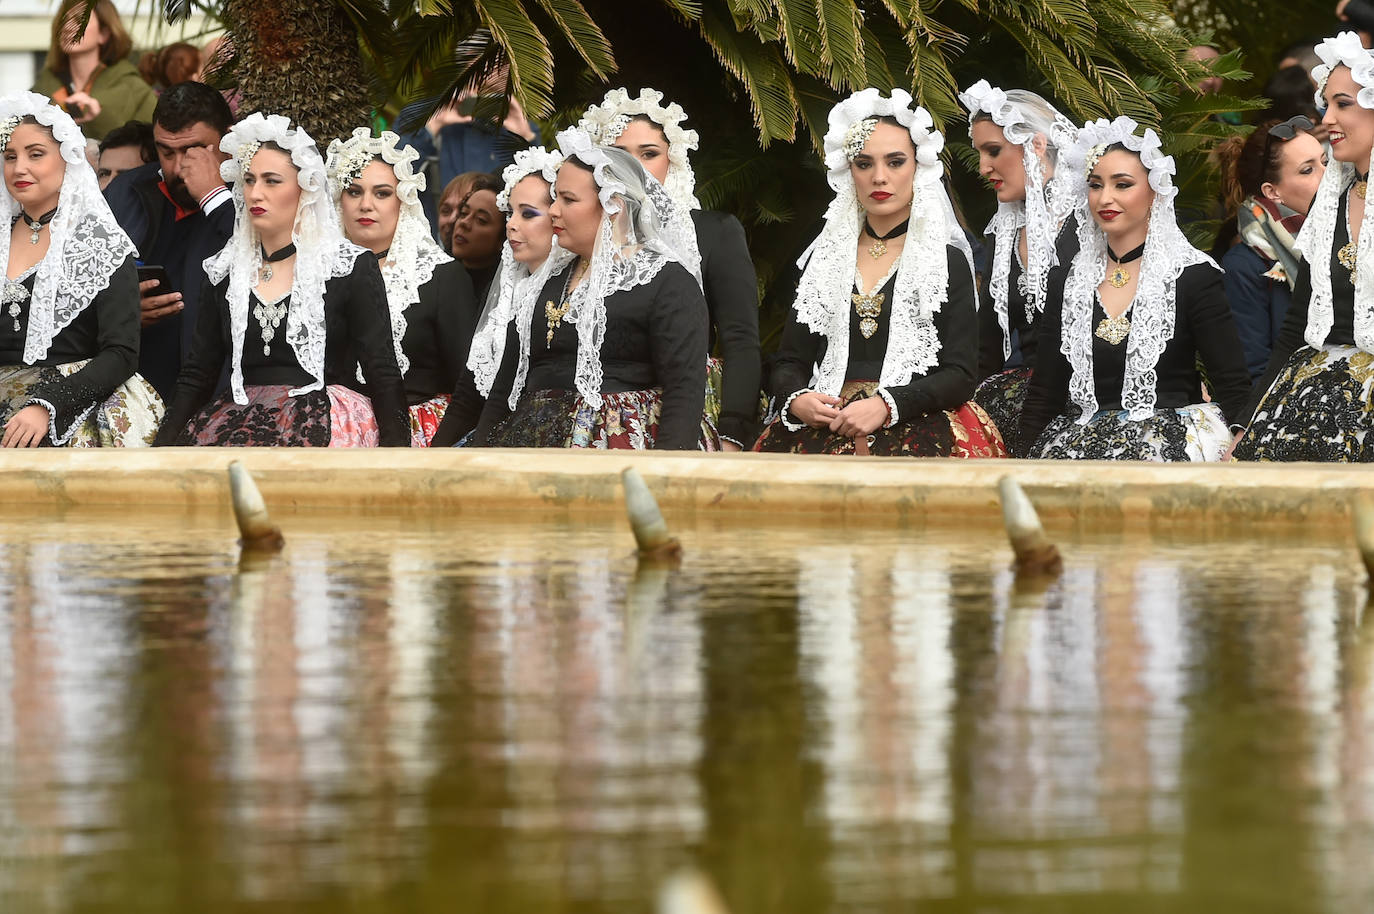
[
  {"x": 1349, "y": 258},
  {"x": 553, "y": 319},
  {"x": 868, "y": 307},
  {"x": 1114, "y": 329},
  {"x": 1119, "y": 277},
  {"x": 877, "y": 249},
  {"x": 1361, "y": 188}
]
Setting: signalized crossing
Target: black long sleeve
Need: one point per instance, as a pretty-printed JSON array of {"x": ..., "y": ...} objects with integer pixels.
[
  {"x": 201, "y": 369},
  {"x": 679, "y": 325},
  {"x": 947, "y": 385},
  {"x": 496, "y": 408},
  {"x": 990, "y": 357},
  {"x": 732, "y": 296},
  {"x": 1048, "y": 392},
  {"x": 1213, "y": 330},
  {"x": 368, "y": 317},
  {"x": 107, "y": 334}
]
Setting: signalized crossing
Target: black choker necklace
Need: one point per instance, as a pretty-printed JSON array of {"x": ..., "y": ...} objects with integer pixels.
[
  {"x": 36, "y": 225},
  {"x": 269, "y": 259},
  {"x": 1119, "y": 276},
  {"x": 879, "y": 247}
]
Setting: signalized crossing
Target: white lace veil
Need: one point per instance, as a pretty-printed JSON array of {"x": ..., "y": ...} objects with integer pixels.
[
  {"x": 606, "y": 121},
  {"x": 922, "y": 285},
  {"x": 515, "y": 292},
  {"x": 1023, "y": 116},
  {"x": 630, "y": 249},
  {"x": 1318, "y": 234},
  {"x": 413, "y": 253},
  {"x": 86, "y": 244},
  {"x": 1168, "y": 252},
  {"x": 322, "y": 251}
]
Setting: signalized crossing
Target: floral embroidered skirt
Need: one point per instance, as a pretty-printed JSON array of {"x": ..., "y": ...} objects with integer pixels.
[
  {"x": 562, "y": 418},
  {"x": 333, "y": 417},
  {"x": 1002, "y": 397},
  {"x": 1193, "y": 433},
  {"x": 129, "y": 417},
  {"x": 1319, "y": 408},
  {"x": 963, "y": 432},
  {"x": 425, "y": 418}
]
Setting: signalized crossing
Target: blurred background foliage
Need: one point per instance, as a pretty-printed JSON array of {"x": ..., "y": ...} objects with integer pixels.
[{"x": 757, "y": 77}]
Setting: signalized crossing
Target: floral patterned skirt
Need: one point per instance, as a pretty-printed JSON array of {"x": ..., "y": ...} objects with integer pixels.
[
  {"x": 425, "y": 418},
  {"x": 129, "y": 417},
  {"x": 963, "y": 432},
  {"x": 1194, "y": 433},
  {"x": 1319, "y": 408},
  {"x": 333, "y": 417},
  {"x": 1002, "y": 397},
  {"x": 562, "y": 418}
]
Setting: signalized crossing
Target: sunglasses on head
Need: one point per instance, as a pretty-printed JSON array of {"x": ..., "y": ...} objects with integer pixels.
[
  {"x": 1290, "y": 128},
  {"x": 1285, "y": 131}
]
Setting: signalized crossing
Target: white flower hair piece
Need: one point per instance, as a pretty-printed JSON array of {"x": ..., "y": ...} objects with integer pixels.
[
  {"x": 14, "y": 108},
  {"x": 872, "y": 104},
  {"x": 533, "y": 161},
  {"x": 982, "y": 97},
  {"x": 347, "y": 159},
  {"x": 576, "y": 143},
  {"x": 856, "y": 137},
  {"x": 7, "y": 129},
  {"x": 1095, "y": 137},
  {"x": 607, "y": 121},
  {"x": 242, "y": 142},
  {"x": 86, "y": 245},
  {"x": 1346, "y": 50}
]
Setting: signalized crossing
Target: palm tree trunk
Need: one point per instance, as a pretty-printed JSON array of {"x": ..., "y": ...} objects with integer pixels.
[{"x": 299, "y": 58}]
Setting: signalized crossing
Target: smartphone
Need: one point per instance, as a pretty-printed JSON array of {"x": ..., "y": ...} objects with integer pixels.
[{"x": 152, "y": 271}]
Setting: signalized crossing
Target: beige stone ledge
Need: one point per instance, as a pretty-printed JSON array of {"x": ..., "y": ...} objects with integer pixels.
[{"x": 767, "y": 488}]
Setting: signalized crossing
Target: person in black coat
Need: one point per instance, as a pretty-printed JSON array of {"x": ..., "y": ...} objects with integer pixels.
[
  {"x": 178, "y": 211},
  {"x": 294, "y": 308},
  {"x": 69, "y": 298},
  {"x": 616, "y": 357},
  {"x": 880, "y": 348},
  {"x": 1017, "y": 135},
  {"x": 715, "y": 251},
  {"x": 1117, "y": 377},
  {"x": 429, "y": 294}
]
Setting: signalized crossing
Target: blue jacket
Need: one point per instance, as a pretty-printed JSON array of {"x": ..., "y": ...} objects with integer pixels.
[
  {"x": 1258, "y": 304},
  {"x": 475, "y": 146}
]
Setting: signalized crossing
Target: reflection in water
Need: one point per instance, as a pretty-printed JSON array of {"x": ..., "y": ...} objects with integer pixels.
[{"x": 413, "y": 717}]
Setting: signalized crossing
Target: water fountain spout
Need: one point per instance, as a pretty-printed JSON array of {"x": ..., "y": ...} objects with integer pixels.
[
  {"x": 690, "y": 892},
  {"x": 646, "y": 520},
  {"x": 1035, "y": 554},
  {"x": 258, "y": 531}
]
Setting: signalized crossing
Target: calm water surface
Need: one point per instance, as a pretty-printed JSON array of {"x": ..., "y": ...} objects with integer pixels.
[{"x": 415, "y": 715}]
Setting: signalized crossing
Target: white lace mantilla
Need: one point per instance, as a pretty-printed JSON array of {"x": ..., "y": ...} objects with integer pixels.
[
  {"x": 322, "y": 251},
  {"x": 824, "y": 302},
  {"x": 1040, "y": 214},
  {"x": 1152, "y": 312},
  {"x": 85, "y": 246}
]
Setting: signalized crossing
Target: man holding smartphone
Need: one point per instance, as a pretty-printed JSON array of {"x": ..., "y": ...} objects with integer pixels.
[{"x": 178, "y": 212}]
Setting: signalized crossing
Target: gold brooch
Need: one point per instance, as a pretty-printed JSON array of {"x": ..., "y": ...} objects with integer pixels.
[
  {"x": 1349, "y": 257},
  {"x": 877, "y": 249},
  {"x": 868, "y": 307},
  {"x": 1114, "y": 329},
  {"x": 1119, "y": 277}
]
